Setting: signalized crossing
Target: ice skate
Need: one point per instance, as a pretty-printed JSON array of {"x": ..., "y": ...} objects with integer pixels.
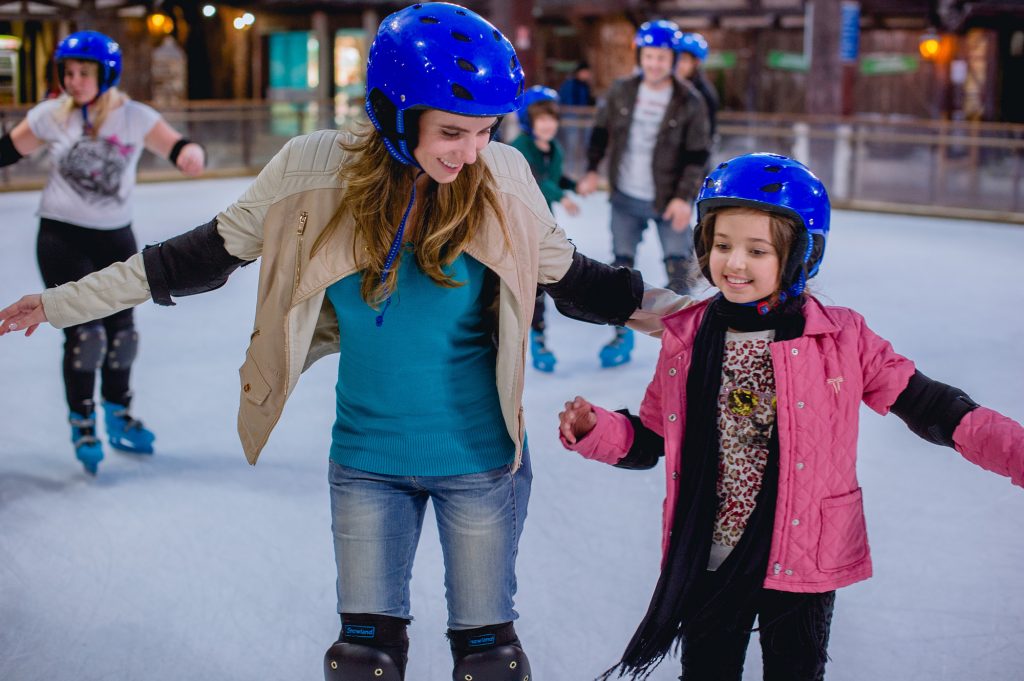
[
  {"x": 125, "y": 432},
  {"x": 618, "y": 350},
  {"x": 543, "y": 359}
]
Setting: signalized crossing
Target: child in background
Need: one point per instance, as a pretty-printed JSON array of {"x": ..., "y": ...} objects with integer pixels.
[
  {"x": 764, "y": 521},
  {"x": 538, "y": 123}
]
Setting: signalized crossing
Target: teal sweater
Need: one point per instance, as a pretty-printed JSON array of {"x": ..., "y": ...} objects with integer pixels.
[
  {"x": 546, "y": 168},
  {"x": 417, "y": 395}
]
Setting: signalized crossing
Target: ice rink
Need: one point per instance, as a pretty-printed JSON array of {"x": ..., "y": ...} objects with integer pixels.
[{"x": 193, "y": 565}]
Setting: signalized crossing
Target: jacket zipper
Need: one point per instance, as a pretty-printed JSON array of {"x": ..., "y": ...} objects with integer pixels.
[{"x": 298, "y": 248}]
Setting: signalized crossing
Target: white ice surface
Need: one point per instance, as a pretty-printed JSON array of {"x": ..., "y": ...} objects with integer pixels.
[{"x": 194, "y": 565}]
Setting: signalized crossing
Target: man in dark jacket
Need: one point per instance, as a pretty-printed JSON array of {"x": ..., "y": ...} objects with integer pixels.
[{"x": 654, "y": 130}]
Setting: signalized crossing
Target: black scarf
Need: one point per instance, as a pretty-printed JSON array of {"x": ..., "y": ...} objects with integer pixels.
[{"x": 678, "y": 609}]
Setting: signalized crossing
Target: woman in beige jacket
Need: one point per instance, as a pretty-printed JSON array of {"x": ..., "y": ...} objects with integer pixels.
[{"x": 414, "y": 249}]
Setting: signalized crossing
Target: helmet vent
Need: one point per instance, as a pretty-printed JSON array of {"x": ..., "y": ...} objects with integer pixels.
[
  {"x": 522, "y": 88},
  {"x": 460, "y": 12},
  {"x": 466, "y": 65},
  {"x": 429, "y": 20},
  {"x": 773, "y": 169},
  {"x": 417, "y": 6},
  {"x": 722, "y": 165},
  {"x": 461, "y": 92},
  {"x": 462, "y": 37},
  {"x": 772, "y": 188},
  {"x": 709, "y": 183},
  {"x": 497, "y": 36}
]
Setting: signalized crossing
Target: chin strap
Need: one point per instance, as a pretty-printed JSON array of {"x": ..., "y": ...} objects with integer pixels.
[{"x": 396, "y": 244}]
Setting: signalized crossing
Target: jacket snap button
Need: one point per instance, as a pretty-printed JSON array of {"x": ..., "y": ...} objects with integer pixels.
[
  {"x": 796, "y": 521},
  {"x": 246, "y": 388},
  {"x": 799, "y": 405},
  {"x": 672, "y": 417},
  {"x": 675, "y": 475},
  {"x": 672, "y": 371},
  {"x": 795, "y": 351},
  {"x": 800, "y": 466},
  {"x": 789, "y": 572}
]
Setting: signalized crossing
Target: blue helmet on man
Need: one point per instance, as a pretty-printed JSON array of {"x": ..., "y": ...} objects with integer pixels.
[{"x": 694, "y": 44}]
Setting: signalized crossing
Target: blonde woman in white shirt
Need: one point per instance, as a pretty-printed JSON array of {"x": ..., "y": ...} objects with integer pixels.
[{"x": 95, "y": 135}]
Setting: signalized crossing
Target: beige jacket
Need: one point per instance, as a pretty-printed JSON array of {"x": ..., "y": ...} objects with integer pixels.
[{"x": 279, "y": 218}]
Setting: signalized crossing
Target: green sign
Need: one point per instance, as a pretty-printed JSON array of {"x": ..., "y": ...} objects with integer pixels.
[
  {"x": 787, "y": 61},
  {"x": 882, "y": 64},
  {"x": 720, "y": 60}
]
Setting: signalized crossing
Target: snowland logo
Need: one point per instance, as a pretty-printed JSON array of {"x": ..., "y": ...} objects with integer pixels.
[
  {"x": 835, "y": 383},
  {"x": 360, "y": 631},
  {"x": 483, "y": 640}
]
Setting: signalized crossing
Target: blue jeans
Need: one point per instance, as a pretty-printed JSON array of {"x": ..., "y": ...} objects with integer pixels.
[
  {"x": 630, "y": 218},
  {"x": 377, "y": 520}
]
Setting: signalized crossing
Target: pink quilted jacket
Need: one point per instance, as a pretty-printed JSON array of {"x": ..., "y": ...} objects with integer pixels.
[{"x": 819, "y": 540}]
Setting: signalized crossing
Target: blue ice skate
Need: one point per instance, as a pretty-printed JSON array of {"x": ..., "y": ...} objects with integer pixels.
[
  {"x": 618, "y": 350},
  {"x": 88, "y": 449},
  {"x": 543, "y": 359},
  {"x": 125, "y": 432}
]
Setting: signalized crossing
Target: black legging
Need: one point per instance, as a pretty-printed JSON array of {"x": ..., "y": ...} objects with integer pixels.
[{"x": 66, "y": 253}]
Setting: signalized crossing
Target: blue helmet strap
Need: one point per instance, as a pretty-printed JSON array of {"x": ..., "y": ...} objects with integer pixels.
[{"x": 396, "y": 245}]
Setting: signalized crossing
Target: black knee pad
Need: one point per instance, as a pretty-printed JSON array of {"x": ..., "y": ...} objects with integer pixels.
[
  {"x": 501, "y": 663},
  {"x": 122, "y": 349},
  {"x": 623, "y": 261},
  {"x": 370, "y": 647},
  {"x": 355, "y": 662},
  {"x": 86, "y": 345},
  {"x": 491, "y": 653}
]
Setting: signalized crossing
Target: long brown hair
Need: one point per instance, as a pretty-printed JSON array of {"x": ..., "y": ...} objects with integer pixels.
[
  {"x": 377, "y": 189},
  {"x": 783, "y": 230}
]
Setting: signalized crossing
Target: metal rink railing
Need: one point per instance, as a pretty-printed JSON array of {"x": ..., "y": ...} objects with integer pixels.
[{"x": 940, "y": 168}]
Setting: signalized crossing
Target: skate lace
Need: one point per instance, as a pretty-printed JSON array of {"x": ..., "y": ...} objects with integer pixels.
[
  {"x": 130, "y": 422},
  {"x": 86, "y": 431}
]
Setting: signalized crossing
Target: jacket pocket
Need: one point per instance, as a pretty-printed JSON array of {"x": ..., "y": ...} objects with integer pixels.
[
  {"x": 254, "y": 387},
  {"x": 844, "y": 539}
]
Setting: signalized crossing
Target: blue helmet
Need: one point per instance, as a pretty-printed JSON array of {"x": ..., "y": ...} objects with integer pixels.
[
  {"x": 660, "y": 33},
  {"x": 695, "y": 44},
  {"x": 537, "y": 93},
  {"x": 775, "y": 184},
  {"x": 95, "y": 47},
  {"x": 438, "y": 56}
]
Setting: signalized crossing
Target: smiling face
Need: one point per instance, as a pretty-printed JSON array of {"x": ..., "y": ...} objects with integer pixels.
[
  {"x": 656, "y": 64},
  {"x": 744, "y": 262},
  {"x": 81, "y": 80},
  {"x": 448, "y": 141}
]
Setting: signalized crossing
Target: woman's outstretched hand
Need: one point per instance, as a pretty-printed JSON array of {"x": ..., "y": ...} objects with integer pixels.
[
  {"x": 26, "y": 314},
  {"x": 577, "y": 420}
]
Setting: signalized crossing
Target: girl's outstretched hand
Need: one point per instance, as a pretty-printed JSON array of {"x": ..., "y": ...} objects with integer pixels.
[
  {"x": 577, "y": 420},
  {"x": 26, "y": 314}
]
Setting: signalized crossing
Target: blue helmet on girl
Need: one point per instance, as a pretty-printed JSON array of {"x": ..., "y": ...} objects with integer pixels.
[
  {"x": 694, "y": 44},
  {"x": 95, "y": 47},
  {"x": 660, "y": 33},
  {"x": 437, "y": 56},
  {"x": 775, "y": 184},
  {"x": 537, "y": 93}
]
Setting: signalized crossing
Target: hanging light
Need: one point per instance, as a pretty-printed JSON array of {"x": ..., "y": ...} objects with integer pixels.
[
  {"x": 209, "y": 10},
  {"x": 159, "y": 24}
]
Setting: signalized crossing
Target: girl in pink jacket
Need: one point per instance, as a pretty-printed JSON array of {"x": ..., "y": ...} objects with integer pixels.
[{"x": 754, "y": 405}]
